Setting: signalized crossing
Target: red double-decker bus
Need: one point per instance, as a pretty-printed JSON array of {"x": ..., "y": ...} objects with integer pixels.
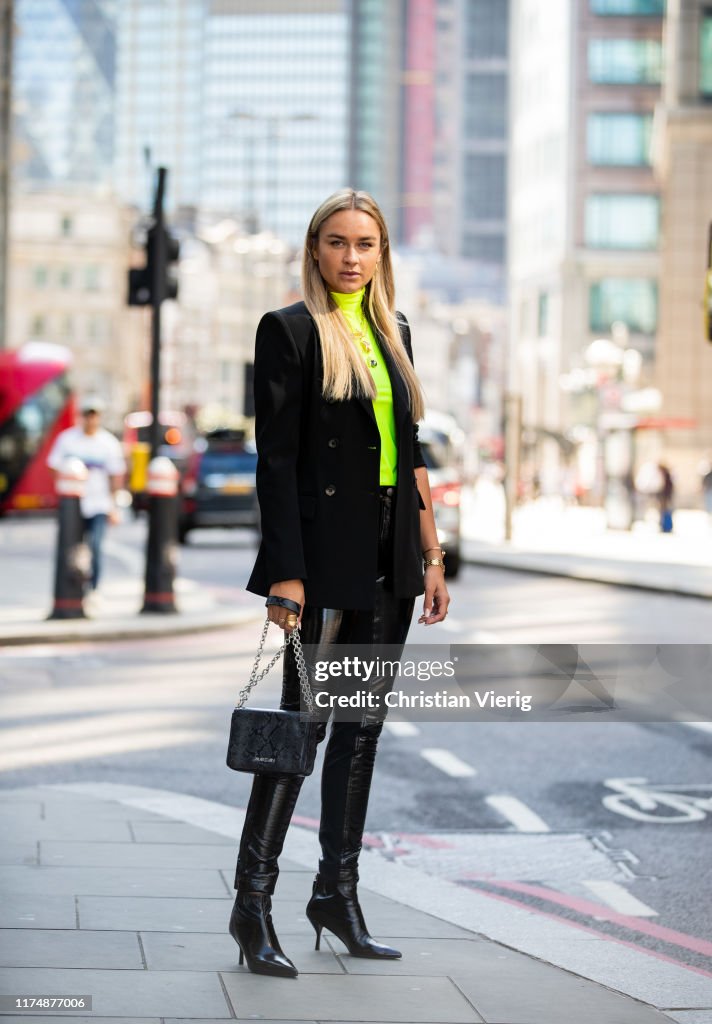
[{"x": 36, "y": 404}]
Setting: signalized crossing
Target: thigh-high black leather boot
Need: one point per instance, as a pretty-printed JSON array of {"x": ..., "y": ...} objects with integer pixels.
[
  {"x": 268, "y": 815},
  {"x": 346, "y": 785}
]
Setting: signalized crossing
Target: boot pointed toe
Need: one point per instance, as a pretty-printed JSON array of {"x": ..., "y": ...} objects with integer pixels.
[{"x": 252, "y": 929}]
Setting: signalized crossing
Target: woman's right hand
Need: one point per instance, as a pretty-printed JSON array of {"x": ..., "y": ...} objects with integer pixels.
[{"x": 293, "y": 590}]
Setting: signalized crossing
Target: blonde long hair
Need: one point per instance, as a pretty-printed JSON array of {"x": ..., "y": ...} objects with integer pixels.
[{"x": 345, "y": 372}]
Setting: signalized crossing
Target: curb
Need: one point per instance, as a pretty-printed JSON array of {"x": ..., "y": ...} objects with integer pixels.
[
  {"x": 142, "y": 627},
  {"x": 547, "y": 565}
]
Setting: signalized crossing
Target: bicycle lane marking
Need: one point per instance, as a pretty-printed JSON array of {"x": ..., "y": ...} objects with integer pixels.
[
  {"x": 627, "y": 792},
  {"x": 589, "y": 909}
]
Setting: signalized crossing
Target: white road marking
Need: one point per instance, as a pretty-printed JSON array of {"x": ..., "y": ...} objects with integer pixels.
[
  {"x": 448, "y": 762},
  {"x": 521, "y": 816},
  {"x": 403, "y": 728},
  {"x": 702, "y": 726},
  {"x": 620, "y": 899}
]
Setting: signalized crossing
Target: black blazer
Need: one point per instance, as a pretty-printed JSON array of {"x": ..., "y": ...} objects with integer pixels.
[{"x": 318, "y": 473}]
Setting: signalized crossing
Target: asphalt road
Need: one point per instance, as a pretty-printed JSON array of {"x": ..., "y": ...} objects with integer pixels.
[{"x": 530, "y": 812}]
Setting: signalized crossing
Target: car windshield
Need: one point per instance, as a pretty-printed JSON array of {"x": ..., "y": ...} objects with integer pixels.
[{"x": 228, "y": 462}]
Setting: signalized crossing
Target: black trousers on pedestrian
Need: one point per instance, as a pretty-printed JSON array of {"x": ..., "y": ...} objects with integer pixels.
[{"x": 351, "y": 749}]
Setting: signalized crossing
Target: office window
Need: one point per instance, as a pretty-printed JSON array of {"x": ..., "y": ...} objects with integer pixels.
[
  {"x": 628, "y": 7},
  {"x": 485, "y": 186},
  {"x": 633, "y": 300},
  {"x": 486, "y": 106},
  {"x": 621, "y": 140},
  {"x": 484, "y": 248},
  {"x": 486, "y": 28},
  {"x": 543, "y": 314},
  {"x": 67, "y": 226},
  {"x": 622, "y": 221},
  {"x": 40, "y": 276},
  {"x": 625, "y": 61},
  {"x": 706, "y": 54}
]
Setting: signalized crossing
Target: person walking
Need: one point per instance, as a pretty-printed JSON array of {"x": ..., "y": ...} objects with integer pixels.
[
  {"x": 101, "y": 453},
  {"x": 348, "y": 538},
  {"x": 665, "y": 498}
]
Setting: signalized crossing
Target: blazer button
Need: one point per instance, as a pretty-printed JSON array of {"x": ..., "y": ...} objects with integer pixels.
[
  {"x": 330, "y": 490},
  {"x": 333, "y": 442}
]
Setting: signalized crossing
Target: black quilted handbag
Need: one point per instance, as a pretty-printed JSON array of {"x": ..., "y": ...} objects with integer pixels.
[{"x": 270, "y": 741}]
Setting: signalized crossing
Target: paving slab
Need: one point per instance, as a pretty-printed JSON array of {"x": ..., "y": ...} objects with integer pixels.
[
  {"x": 428, "y": 956},
  {"x": 127, "y": 993},
  {"x": 73, "y": 825},
  {"x": 539, "y": 988},
  {"x": 102, "y": 810},
  {"x": 110, "y": 881},
  {"x": 28, "y": 910},
  {"x": 140, "y": 855},
  {"x": 690, "y": 1016},
  {"x": 55, "y": 948},
  {"x": 18, "y": 853},
  {"x": 13, "y": 1019},
  {"x": 20, "y": 812},
  {"x": 162, "y": 831},
  {"x": 385, "y": 920},
  {"x": 410, "y": 1000},
  {"x": 134, "y": 913},
  {"x": 167, "y": 951}
]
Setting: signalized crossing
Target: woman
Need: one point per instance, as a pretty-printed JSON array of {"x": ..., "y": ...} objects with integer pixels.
[{"x": 346, "y": 524}]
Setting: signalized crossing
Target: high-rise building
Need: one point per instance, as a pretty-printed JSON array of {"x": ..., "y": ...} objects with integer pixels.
[
  {"x": 684, "y": 161},
  {"x": 159, "y": 89},
  {"x": 275, "y": 109},
  {"x": 583, "y": 200},
  {"x": 376, "y": 104},
  {"x": 471, "y": 142},
  {"x": 64, "y": 80}
]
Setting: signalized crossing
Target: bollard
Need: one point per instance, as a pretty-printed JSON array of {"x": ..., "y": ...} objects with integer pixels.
[
  {"x": 72, "y": 560},
  {"x": 162, "y": 549}
]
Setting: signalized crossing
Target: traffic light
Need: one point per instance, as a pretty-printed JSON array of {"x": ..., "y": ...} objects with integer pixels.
[{"x": 157, "y": 276}]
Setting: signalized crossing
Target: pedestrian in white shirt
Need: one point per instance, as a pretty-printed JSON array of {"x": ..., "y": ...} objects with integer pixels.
[{"x": 101, "y": 453}]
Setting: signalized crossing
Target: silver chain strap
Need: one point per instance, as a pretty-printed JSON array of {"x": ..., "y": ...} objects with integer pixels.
[{"x": 295, "y": 640}]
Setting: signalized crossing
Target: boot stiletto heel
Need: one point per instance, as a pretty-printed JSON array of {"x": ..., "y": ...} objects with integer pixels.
[{"x": 334, "y": 905}]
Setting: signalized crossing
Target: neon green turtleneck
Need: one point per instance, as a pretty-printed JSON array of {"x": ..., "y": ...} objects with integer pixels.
[{"x": 350, "y": 306}]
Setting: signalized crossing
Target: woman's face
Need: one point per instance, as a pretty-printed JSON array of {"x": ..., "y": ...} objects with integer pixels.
[{"x": 347, "y": 250}]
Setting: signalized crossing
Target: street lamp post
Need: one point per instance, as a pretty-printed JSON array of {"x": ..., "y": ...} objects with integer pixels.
[{"x": 273, "y": 122}]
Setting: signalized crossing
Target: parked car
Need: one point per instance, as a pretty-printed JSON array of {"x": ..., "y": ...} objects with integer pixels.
[
  {"x": 218, "y": 488},
  {"x": 445, "y": 487}
]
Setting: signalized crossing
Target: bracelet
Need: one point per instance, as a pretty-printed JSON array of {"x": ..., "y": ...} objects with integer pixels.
[
  {"x": 433, "y": 561},
  {"x": 433, "y": 549}
]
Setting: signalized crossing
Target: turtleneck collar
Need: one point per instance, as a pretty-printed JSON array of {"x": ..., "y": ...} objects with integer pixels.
[{"x": 349, "y": 302}]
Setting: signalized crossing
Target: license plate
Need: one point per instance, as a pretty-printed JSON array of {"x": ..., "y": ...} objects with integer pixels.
[{"x": 235, "y": 488}]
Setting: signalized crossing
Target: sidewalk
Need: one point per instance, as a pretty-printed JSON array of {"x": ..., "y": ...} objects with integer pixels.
[
  {"x": 549, "y": 537},
  {"x": 553, "y": 538},
  {"x": 27, "y": 558},
  {"x": 115, "y": 901}
]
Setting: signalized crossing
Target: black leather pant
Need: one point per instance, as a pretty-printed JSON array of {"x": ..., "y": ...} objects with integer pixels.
[{"x": 351, "y": 749}]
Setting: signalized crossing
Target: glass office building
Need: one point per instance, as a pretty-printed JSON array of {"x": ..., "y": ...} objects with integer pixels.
[
  {"x": 159, "y": 96},
  {"x": 275, "y": 130},
  {"x": 64, "y": 80}
]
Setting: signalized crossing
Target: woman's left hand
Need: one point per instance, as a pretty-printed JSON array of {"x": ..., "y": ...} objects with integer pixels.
[{"x": 437, "y": 598}]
